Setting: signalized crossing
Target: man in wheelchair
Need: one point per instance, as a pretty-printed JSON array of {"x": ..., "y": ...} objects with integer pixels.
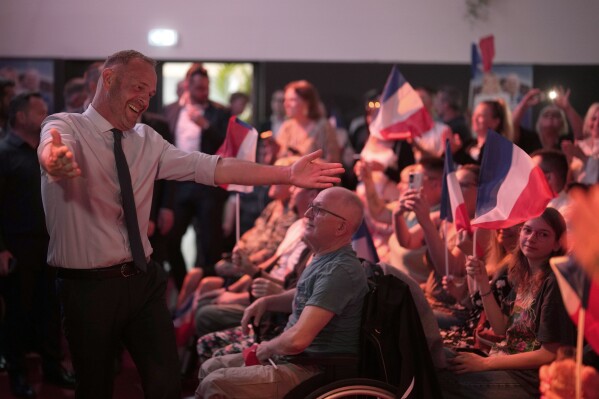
[{"x": 325, "y": 310}]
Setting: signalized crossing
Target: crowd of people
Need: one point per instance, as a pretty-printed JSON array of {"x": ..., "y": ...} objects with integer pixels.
[{"x": 110, "y": 236}]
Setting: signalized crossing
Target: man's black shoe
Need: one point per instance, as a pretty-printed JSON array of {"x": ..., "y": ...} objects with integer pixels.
[
  {"x": 60, "y": 377},
  {"x": 19, "y": 386}
]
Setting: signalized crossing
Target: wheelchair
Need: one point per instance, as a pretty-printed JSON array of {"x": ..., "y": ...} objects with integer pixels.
[{"x": 384, "y": 368}]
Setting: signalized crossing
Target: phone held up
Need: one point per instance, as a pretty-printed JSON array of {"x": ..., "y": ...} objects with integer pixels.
[{"x": 415, "y": 180}]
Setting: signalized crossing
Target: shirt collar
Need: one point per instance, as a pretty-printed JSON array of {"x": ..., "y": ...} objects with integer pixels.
[{"x": 98, "y": 120}]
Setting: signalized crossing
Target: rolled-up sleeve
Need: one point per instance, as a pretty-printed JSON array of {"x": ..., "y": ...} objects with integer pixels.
[{"x": 180, "y": 165}]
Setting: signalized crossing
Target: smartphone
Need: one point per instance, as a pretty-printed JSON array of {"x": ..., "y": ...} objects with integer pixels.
[{"x": 415, "y": 180}]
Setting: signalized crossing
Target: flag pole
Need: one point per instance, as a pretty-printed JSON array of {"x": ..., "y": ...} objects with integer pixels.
[
  {"x": 474, "y": 234},
  {"x": 237, "y": 223},
  {"x": 446, "y": 249},
  {"x": 579, "y": 343}
]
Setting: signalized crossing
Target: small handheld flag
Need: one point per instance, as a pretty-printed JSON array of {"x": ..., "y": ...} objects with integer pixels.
[
  {"x": 511, "y": 188},
  {"x": 240, "y": 143},
  {"x": 402, "y": 113}
]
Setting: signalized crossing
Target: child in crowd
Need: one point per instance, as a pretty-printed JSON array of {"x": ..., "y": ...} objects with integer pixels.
[{"x": 532, "y": 318}]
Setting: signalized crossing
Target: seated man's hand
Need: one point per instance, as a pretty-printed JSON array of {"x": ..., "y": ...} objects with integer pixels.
[
  {"x": 263, "y": 287},
  {"x": 243, "y": 263},
  {"x": 228, "y": 298},
  {"x": 263, "y": 352},
  {"x": 253, "y": 315}
]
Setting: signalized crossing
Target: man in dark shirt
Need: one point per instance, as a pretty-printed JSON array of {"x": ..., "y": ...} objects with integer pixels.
[{"x": 32, "y": 313}]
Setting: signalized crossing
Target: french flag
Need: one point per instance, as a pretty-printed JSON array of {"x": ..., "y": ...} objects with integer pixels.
[
  {"x": 579, "y": 292},
  {"x": 511, "y": 189},
  {"x": 453, "y": 208},
  {"x": 402, "y": 114},
  {"x": 240, "y": 143},
  {"x": 363, "y": 245}
]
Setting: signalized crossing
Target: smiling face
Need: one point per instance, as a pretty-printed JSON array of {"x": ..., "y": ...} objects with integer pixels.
[
  {"x": 538, "y": 240},
  {"x": 294, "y": 105},
  {"x": 483, "y": 119},
  {"x": 129, "y": 90},
  {"x": 323, "y": 227}
]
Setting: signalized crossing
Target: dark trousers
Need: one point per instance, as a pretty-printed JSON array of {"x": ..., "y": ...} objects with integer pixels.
[
  {"x": 100, "y": 314},
  {"x": 203, "y": 206},
  {"x": 32, "y": 321}
]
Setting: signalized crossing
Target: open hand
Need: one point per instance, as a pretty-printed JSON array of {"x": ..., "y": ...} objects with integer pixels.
[
  {"x": 310, "y": 172},
  {"x": 57, "y": 159}
]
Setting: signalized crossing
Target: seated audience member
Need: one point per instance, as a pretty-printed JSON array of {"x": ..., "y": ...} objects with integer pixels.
[
  {"x": 554, "y": 165},
  {"x": 325, "y": 309},
  {"x": 273, "y": 276},
  {"x": 215, "y": 308},
  {"x": 253, "y": 203},
  {"x": 584, "y": 154},
  {"x": 552, "y": 123},
  {"x": 532, "y": 318},
  {"x": 436, "y": 235},
  {"x": 476, "y": 332},
  {"x": 410, "y": 261}
]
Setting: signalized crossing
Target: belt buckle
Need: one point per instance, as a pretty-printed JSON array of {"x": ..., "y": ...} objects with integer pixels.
[{"x": 125, "y": 272}]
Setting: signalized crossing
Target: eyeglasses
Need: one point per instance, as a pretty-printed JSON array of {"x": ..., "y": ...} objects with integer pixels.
[{"x": 317, "y": 210}]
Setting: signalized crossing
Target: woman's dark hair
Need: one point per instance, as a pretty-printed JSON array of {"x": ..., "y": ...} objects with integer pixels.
[{"x": 519, "y": 269}]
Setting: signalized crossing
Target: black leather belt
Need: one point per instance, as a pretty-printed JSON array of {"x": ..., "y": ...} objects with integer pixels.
[{"x": 121, "y": 270}]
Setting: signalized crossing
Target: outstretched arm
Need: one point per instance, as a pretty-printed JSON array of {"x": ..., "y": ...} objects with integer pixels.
[
  {"x": 56, "y": 158},
  {"x": 305, "y": 172}
]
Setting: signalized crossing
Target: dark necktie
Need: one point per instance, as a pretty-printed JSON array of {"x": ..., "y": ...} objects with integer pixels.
[{"x": 137, "y": 249}]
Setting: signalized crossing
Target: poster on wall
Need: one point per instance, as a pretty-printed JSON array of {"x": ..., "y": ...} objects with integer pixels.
[
  {"x": 507, "y": 82},
  {"x": 31, "y": 75}
]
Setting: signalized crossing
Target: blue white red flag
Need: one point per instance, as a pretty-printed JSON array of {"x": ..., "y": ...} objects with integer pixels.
[
  {"x": 240, "y": 143},
  {"x": 579, "y": 292},
  {"x": 363, "y": 245},
  {"x": 402, "y": 113},
  {"x": 453, "y": 207},
  {"x": 511, "y": 189}
]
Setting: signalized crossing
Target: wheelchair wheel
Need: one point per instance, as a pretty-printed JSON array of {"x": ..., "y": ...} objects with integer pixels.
[{"x": 355, "y": 388}]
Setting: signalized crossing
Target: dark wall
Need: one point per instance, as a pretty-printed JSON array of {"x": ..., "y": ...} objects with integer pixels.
[{"x": 342, "y": 85}]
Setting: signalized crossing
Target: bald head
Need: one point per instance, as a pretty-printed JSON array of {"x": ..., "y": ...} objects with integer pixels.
[{"x": 347, "y": 204}]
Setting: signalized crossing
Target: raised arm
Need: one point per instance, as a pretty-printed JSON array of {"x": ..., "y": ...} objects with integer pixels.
[
  {"x": 563, "y": 102},
  {"x": 476, "y": 269},
  {"x": 57, "y": 159},
  {"x": 530, "y": 99},
  {"x": 376, "y": 205},
  {"x": 305, "y": 172}
]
